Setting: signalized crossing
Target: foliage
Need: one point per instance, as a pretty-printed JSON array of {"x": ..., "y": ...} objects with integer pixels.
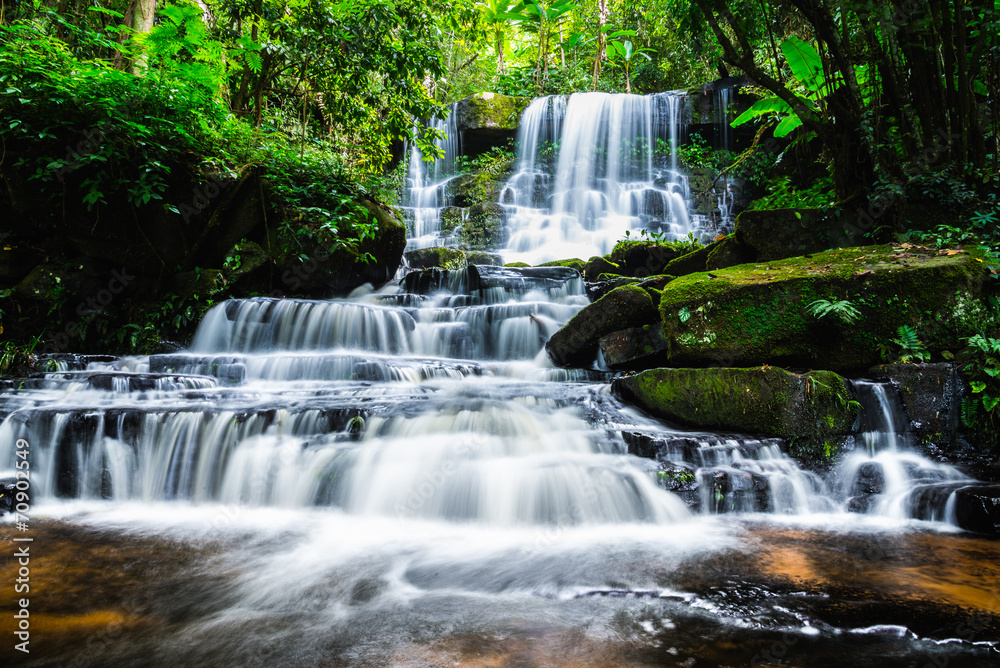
[
  {"x": 783, "y": 194},
  {"x": 841, "y": 309},
  {"x": 911, "y": 348},
  {"x": 983, "y": 369}
]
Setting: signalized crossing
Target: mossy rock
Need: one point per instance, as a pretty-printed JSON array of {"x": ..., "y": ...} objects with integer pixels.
[
  {"x": 576, "y": 342},
  {"x": 461, "y": 190},
  {"x": 765, "y": 400},
  {"x": 451, "y": 217},
  {"x": 517, "y": 264},
  {"x": 728, "y": 252},
  {"x": 482, "y": 258},
  {"x": 574, "y": 263},
  {"x": 443, "y": 258},
  {"x": 642, "y": 258},
  {"x": 490, "y": 111},
  {"x": 202, "y": 282},
  {"x": 635, "y": 347},
  {"x": 782, "y": 233},
  {"x": 691, "y": 263},
  {"x": 485, "y": 228},
  {"x": 598, "y": 265},
  {"x": 759, "y": 313}
]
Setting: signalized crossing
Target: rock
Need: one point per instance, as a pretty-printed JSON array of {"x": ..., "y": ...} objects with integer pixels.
[
  {"x": 598, "y": 265},
  {"x": 782, "y": 233},
  {"x": 691, "y": 263},
  {"x": 488, "y": 120},
  {"x": 485, "y": 228},
  {"x": 575, "y": 263},
  {"x": 576, "y": 342},
  {"x": 606, "y": 283},
  {"x": 764, "y": 400},
  {"x": 517, "y": 265},
  {"x": 728, "y": 252},
  {"x": 641, "y": 258},
  {"x": 758, "y": 313},
  {"x": 870, "y": 479},
  {"x": 202, "y": 282},
  {"x": 451, "y": 217},
  {"x": 490, "y": 111},
  {"x": 8, "y": 490},
  {"x": 444, "y": 258},
  {"x": 932, "y": 397},
  {"x": 16, "y": 261},
  {"x": 488, "y": 259},
  {"x": 48, "y": 282},
  {"x": 977, "y": 508},
  {"x": 460, "y": 190},
  {"x": 635, "y": 347}
]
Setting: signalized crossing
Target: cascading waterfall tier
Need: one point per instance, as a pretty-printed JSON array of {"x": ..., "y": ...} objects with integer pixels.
[
  {"x": 427, "y": 191},
  {"x": 592, "y": 167}
]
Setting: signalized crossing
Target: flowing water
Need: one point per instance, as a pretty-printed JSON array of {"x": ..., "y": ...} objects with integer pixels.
[{"x": 401, "y": 478}]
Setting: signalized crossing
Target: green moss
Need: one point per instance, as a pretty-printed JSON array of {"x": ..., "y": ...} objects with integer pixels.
[
  {"x": 764, "y": 400},
  {"x": 757, "y": 313},
  {"x": 573, "y": 263},
  {"x": 517, "y": 264}
]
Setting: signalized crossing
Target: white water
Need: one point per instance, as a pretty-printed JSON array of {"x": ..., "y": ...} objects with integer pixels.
[{"x": 591, "y": 168}]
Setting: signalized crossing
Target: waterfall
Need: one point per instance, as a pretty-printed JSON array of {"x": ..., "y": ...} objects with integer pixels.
[
  {"x": 592, "y": 167},
  {"x": 886, "y": 477},
  {"x": 427, "y": 183}
]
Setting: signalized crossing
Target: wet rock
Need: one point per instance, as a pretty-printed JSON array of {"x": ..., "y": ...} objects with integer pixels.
[
  {"x": 520, "y": 279},
  {"x": 598, "y": 265},
  {"x": 635, "y": 347},
  {"x": 783, "y": 233},
  {"x": 765, "y": 400},
  {"x": 870, "y": 479},
  {"x": 443, "y": 258},
  {"x": 691, "y": 263},
  {"x": 577, "y": 341},
  {"x": 977, "y": 508},
  {"x": 759, "y": 313},
  {"x": 607, "y": 283},
  {"x": 451, "y": 217},
  {"x": 484, "y": 258},
  {"x": 932, "y": 398},
  {"x": 575, "y": 263},
  {"x": 460, "y": 190},
  {"x": 8, "y": 488},
  {"x": 484, "y": 228}
]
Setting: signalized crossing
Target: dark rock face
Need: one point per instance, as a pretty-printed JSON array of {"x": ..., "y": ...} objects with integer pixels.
[
  {"x": 7, "y": 491},
  {"x": 869, "y": 480},
  {"x": 485, "y": 227},
  {"x": 782, "y": 233},
  {"x": 641, "y": 258},
  {"x": 728, "y": 252},
  {"x": 487, "y": 120},
  {"x": 577, "y": 341},
  {"x": 443, "y": 258},
  {"x": 635, "y": 347},
  {"x": 932, "y": 398},
  {"x": 977, "y": 508}
]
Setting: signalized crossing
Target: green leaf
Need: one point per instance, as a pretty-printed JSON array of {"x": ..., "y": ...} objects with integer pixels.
[
  {"x": 770, "y": 105},
  {"x": 804, "y": 62},
  {"x": 977, "y": 386},
  {"x": 787, "y": 125}
]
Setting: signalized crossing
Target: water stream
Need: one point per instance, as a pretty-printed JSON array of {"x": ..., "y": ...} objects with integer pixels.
[{"x": 402, "y": 478}]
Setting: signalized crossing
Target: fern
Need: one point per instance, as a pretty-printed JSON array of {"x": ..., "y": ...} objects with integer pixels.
[
  {"x": 911, "y": 347},
  {"x": 842, "y": 309}
]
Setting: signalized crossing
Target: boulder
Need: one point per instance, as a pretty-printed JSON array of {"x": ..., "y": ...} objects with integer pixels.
[
  {"x": 759, "y": 313},
  {"x": 451, "y": 217},
  {"x": 485, "y": 227},
  {"x": 488, "y": 120},
  {"x": 576, "y": 342},
  {"x": 635, "y": 347},
  {"x": 977, "y": 508},
  {"x": 51, "y": 282},
  {"x": 641, "y": 258},
  {"x": 460, "y": 190},
  {"x": 598, "y": 265},
  {"x": 782, "y": 233},
  {"x": 575, "y": 263},
  {"x": 480, "y": 257},
  {"x": 444, "y": 258},
  {"x": 932, "y": 398},
  {"x": 728, "y": 252},
  {"x": 691, "y": 263},
  {"x": 763, "y": 400}
]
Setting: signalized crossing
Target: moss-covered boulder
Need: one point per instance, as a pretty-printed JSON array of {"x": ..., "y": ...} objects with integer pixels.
[
  {"x": 760, "y": 313},
  {"x": 517, "y": 265},
  {"x": 598, "y": 265},
  {"x": 642, "y": 258},
  {"x": 490, "y": 111},
  {"x": 782, "y": 233},
  {"x": 765, "y": 400},
  {"x": 690, "y": 263},
  {"x": 485, "y": 227},
  {"x": 443, "y": 258},
  {"x": 575, "y": 263},
  {"x": 635, "y": 347},
  {"x": 451, "y": 217},
  {"x": 461, "y": 190},
  {"x": 728, "y": 252},
  {"x": 576, "y": 342},
  {"x": 483, "y": 258}
]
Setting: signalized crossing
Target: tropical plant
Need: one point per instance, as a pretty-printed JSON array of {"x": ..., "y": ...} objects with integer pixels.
[
  {"x": 841, "y": 309},
  {"x": 911, "y": 348},
  {"x": 543, "y": 18},
  {"x": 622, "y": 54}
]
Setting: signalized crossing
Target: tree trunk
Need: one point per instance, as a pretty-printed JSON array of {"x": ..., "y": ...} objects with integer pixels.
[
  {"x": 142, "y": 22},
  {"x": 602, "y": 20}
]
